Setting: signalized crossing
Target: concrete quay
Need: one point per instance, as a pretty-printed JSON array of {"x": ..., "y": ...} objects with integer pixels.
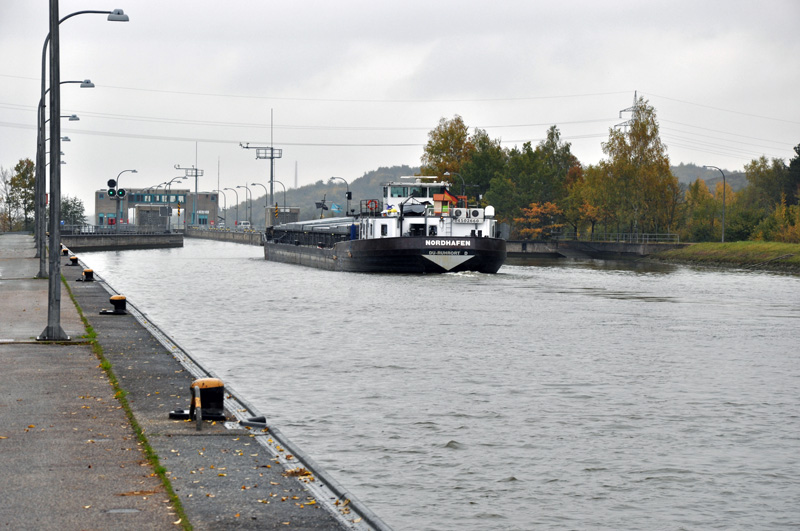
[{"x": 71, "y": 456}]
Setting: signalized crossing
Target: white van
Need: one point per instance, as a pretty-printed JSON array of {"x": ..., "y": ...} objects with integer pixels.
[{"x": 244, "y": 225}]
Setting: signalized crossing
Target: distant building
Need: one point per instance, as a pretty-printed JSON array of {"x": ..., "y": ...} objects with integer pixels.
[{"x": 157, "y": 208}]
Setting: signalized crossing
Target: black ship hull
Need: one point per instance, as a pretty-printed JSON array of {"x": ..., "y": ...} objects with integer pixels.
[{"x": 416, "y": 254}]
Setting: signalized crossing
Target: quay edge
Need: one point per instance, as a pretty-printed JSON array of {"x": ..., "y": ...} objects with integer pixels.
[{"x": 156, "y": 372}]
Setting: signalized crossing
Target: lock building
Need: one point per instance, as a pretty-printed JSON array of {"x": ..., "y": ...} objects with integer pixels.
[{"x": 155, "y": 208}]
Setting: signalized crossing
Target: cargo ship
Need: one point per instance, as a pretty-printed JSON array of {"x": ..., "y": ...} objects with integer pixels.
[{"x": 418, "y": 226}]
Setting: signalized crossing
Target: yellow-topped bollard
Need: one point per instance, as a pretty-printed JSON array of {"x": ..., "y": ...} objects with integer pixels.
[
  {"x": 208, "y": 397},
  {"x": 73, "y": 261},
  {"x": 88, "y": 276},
  {"x": 120, "y": 306}
]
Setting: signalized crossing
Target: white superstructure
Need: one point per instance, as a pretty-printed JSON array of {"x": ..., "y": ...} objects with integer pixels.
[{"x": 416, "y": 206}]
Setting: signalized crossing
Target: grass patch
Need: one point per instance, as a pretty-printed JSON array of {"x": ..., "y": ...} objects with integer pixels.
[
  {"x": 756, "y": 255},
  {"x": 120, "y": 394}
]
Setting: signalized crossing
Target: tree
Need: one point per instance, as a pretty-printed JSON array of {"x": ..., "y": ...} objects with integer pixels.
[
  {"x": 557, "y": 160},
  {"x": 538, "y": 221},
  {"x": 449, "y": 147},
  {"x": 21, "y": 196},
  {"x": 793, "y": 179},
  {"x": 769, "y": 182},
  {"x": 700, "y": 213},
  {"x": 486, "y": 161},
  {"x": 645, "y": 193},
  {"x": 72, "y": 211},
  {"x": 6, "y": 215}
]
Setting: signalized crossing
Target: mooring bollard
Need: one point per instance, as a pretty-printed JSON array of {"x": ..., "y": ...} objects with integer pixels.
[
  {"x": 88, "y": 276},
  {"x": 120, "y": 306},
  {"x": 207, "y": 402},
  {"x": 64, "y": 251},
  {"x": 73, "y": 261}
]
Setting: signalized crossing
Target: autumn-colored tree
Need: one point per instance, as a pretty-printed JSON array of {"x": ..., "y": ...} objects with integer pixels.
[
  {"x": 571, "y": 204},
  {"x": 700, "y": 213},
  {"x": 449, "y": 147},
  {"x": 599, "y": 203},
  {"x": 644, "y": 191},
  {"x": 538, "y": 220}
]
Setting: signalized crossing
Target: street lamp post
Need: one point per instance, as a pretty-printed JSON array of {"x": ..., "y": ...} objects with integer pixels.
[
  {"x": 120, "y": 202},
  {"x": 169, "y": 208},
  {"x": 347, "y": 194},
  {"x": 192, "y": 172},
  {"x": 284, "y": 197},
  {"x": 250, "y": 215},
  {"x": 463, "y": 184},
  {"x": 40, "y": 191},
  {"x": 236, "y": 225},
  {"x": 225, "y": 204},
  {"x": 53, "y": 330},
  {"x": 266, "y": 202},
  {"x": 723, "y": 198}
]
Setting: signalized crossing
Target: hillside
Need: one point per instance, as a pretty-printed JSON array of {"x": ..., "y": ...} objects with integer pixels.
[
  {"x": 689, "y": 173},
  {"x": 368, "y": 186}
]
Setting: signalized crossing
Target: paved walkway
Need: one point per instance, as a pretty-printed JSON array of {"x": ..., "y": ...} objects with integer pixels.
[{"x": 70, "y": 459}]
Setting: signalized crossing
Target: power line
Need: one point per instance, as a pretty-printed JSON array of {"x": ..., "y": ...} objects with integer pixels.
[
  {"x": 727, "y": 110},
  {"x": 349, "y": 100}
]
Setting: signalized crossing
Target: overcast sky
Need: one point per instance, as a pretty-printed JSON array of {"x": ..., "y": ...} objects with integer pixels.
[{"x": 350, "y": 86}]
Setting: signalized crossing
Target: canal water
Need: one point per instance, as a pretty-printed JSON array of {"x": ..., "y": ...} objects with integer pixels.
[{"x": 568, "y": 395}]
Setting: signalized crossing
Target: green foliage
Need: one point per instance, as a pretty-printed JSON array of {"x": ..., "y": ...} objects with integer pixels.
[
  {"x": 487, "y": 160},
  {"x": 531, "y": 175},
  {"x": 20, "y": 195},
  {"x": 6, "y": 213},
  {"x": 768, "y": 181},
  {"x": 72, "y": 211}
]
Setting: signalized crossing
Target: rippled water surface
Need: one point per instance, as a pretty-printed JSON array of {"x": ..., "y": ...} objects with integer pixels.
[{"x": 570, "y": 395}]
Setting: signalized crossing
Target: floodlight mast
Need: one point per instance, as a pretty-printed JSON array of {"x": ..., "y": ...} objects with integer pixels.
[{"x": 270, "y": 153}]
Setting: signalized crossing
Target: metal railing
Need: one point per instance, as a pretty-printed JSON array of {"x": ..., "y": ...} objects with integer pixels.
[
  {"x": 112, "y": 230},
  {"x": 621, "y": 237}
]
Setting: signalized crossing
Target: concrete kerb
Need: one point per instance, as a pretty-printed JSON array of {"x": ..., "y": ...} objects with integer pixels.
[{"x": 328, "y": 490}]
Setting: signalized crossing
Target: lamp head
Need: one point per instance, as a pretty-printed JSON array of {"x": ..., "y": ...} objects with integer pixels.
[
  {"x": 118, "y": 15},
  {"x": 74, "y": 118},
  {"x": 87, "y": 83}
]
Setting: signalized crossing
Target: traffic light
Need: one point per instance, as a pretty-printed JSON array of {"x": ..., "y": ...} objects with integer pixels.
[{"x": 112, "y": 189}]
